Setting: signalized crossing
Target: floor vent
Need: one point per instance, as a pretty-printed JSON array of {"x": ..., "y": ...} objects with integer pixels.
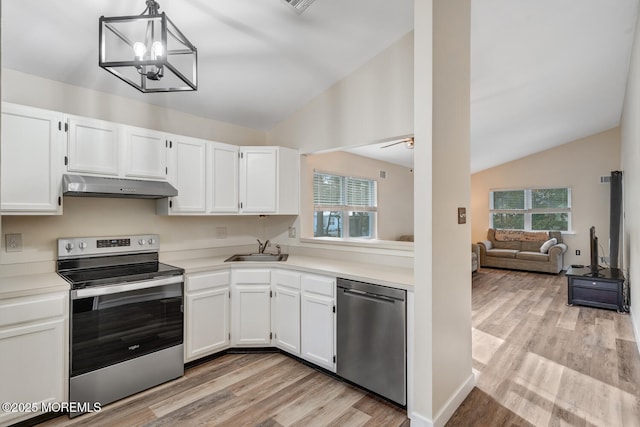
[
  {"x": 605, "y": 179},
  {"x": 299, "y": 5}
]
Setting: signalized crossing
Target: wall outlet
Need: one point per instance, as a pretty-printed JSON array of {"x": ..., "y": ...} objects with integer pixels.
[
  {"x": 221, "y": 232},
  {"x": 577, "y": 251},
  {"x": 292, "y": 232},
  {"x": 13, "y": 242}
]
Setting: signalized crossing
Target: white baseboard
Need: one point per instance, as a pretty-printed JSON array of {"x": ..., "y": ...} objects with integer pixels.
[
  {"x": 418, "y": 420},
  {"x": 636, "y": 329}
]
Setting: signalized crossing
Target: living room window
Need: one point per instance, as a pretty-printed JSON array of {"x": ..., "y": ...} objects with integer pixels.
[
  {"x": 531, "y": 209},
  {"x": 344, "y": 207}
]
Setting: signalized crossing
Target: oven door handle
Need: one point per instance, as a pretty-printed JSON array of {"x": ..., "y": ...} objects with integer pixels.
[{"x": 132, "y": 286}]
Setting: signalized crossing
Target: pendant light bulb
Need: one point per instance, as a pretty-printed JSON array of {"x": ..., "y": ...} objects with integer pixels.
[
  {"x": 157, "y": 50},
  {"x": 139, "y": 49}
]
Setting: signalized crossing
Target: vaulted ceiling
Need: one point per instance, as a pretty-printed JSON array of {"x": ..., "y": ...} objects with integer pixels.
[{"x": 543, "y": 72}]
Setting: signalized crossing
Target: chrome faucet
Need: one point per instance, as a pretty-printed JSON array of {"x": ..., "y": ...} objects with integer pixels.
[{"x": 262, "y": 246}]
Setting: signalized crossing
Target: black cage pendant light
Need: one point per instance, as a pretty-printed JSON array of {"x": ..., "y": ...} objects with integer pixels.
[{"x": 148, "y": 52}]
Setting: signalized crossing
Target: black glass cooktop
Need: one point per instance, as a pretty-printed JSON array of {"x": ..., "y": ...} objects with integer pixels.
[{"x": 102, "y": 271}]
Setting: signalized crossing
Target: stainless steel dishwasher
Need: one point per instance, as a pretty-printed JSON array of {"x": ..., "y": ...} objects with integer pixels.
[{"x": 372, "y": 339}]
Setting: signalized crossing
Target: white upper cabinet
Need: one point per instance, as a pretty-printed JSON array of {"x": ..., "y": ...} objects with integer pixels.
[
  {"x": 32, "y": 160},
  {"x": 145, "y": 154},
  {"x": 93, "y": 146},
  {"x": 222, "y": 178},
  {"x": 187, "y": 171},
  {"x": 269, "y": 180},
  {"x": 258, "y": 179}
]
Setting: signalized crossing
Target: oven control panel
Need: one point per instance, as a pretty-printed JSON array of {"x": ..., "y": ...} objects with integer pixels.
[{"x": 73, "y": 247}]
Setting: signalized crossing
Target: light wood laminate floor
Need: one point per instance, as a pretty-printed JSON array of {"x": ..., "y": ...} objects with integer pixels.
[
  {"x": 539, "y": 363},
  {"x": 264, "y": 390},
  {"x": 542, "y": 363}
]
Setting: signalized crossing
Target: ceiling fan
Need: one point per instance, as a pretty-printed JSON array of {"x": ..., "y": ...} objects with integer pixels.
[{"x": 409, "y": 142}]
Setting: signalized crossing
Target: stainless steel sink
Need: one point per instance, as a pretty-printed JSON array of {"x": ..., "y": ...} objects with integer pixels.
[{"x": 258, "y": 257}]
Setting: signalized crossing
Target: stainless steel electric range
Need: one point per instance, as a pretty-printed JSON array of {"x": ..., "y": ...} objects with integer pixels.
[{"x": 126, "y": 316}]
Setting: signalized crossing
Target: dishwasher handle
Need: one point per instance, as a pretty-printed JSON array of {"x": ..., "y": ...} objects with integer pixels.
[{"x": 369, "y": 295}]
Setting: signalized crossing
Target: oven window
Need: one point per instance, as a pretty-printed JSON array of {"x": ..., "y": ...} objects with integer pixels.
[{"x": 113, "y": 328}]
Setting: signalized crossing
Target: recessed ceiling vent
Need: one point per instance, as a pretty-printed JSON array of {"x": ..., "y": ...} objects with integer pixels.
[{"x": 299, "y": 5}]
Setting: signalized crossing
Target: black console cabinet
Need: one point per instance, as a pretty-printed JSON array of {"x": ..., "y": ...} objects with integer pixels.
[{"x": 603, "y": 289}]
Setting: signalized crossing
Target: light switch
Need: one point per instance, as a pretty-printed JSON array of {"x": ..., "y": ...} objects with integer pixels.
[{"x": 462, "y": 215}]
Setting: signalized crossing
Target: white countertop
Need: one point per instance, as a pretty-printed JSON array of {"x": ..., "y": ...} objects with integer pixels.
[
  {"x": 31, "y": 284},
  {"x": 396, "y": 277}
]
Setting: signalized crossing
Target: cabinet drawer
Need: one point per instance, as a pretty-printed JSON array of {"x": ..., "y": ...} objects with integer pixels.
[
  {"x": 27, "y": 309},
  {"x": 582, "y": 295},
  {"x": 252, "y": 276},
  {"x": 285, "y": 278},
  {"x": 322, "y": 285},
  {"x": 200, "y": 281},
  {"x": 596, "y": 284}
]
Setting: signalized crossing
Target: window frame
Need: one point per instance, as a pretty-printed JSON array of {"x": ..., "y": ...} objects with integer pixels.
[
  {"x": 346, "y": 209},
  {"x": 528, "y": 211}
]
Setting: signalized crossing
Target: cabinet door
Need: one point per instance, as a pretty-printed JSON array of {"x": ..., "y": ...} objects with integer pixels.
[
  {"x": 258, "y": 179},
  {"x": 285, "y": 313},
  {"x": 33, "y": 367},
  {"x": 32, "y": 158},
  {"x": 93, "y": 146},
  {"x": 222, "y": 178},
  {"x": 189, "y": 158},
  {"x": 145, "y": 154},
  {"x": 318, "y": 320},
  {"x": 251, "y": 314},
  {"x": 207, "y": 322}
]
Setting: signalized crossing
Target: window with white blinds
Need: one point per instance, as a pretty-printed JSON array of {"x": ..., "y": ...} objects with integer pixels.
[
  {"x": 344, "y": 206},
  {"x": 535, "y": 209}
]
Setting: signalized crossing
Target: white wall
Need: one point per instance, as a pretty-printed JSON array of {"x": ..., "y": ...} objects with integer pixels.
[
  {"x": 578, "y": 165},
  {"x": 395, "y": 192},
  {"x": 442, "y": 336},
  {"x": 373, "y": 103},
  {"x": 630, "y": 136}
]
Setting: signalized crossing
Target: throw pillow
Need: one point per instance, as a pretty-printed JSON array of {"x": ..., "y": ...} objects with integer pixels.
[{"x": 546, "y": 245}]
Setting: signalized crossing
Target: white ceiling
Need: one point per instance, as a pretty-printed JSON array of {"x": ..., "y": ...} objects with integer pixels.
[
  {"x": 258, "y": 60},
  {"x": 543, "y": 72},
  {"x": 395, "y": 152}
]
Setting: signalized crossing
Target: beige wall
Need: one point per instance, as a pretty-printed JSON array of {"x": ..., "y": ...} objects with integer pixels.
[
  {"x": 372, "y": 104},
  {"x": 578, "y": 165},
  {"x": 395, "y": 192},
  {"x": 21, "y": 88},
  {"x": 630, "y": 136}
]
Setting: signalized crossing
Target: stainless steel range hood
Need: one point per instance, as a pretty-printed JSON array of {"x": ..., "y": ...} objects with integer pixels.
[{"x": 95, "y": 186}]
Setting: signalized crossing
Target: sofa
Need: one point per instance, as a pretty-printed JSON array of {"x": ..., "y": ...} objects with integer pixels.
[
  {"x": 523, "y": 250},
  {"x": 475, "y": 257}
]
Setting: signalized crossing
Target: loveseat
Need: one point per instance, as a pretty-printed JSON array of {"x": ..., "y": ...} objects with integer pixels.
[{"x": 523, "y": 250}]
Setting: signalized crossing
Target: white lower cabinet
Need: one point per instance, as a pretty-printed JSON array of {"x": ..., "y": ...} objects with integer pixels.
[
  {"x": 251, "y": 307},
  {"x": 318, "y": 320},
  {"x": 33, "y": 350},
  {"x": 269, "y": 307},
  {"x": 285, "y": 310},
  {"x": 206, "y": 313}
]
